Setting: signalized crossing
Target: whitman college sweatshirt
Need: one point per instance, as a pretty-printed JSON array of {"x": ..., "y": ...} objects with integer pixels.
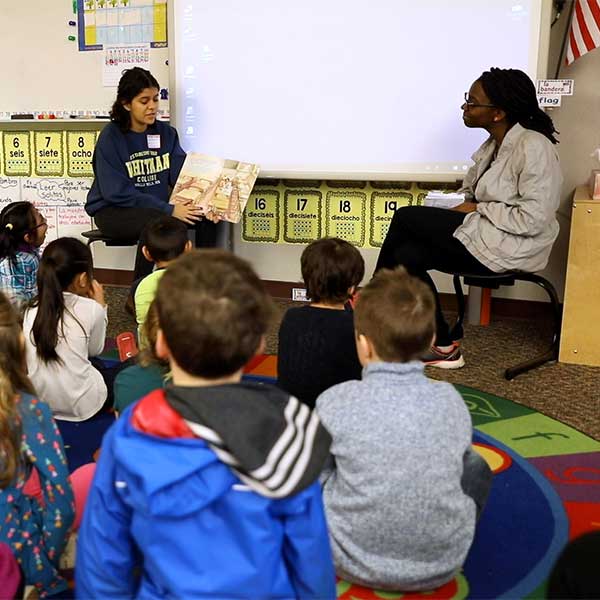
[{"x": 135, "y": 169}]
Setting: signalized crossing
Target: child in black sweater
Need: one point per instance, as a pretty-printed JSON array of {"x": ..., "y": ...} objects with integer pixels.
[{"x": 316, "y": 341}]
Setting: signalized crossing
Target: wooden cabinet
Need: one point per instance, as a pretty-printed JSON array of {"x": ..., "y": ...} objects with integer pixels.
[{"x": 580, "y": 337}]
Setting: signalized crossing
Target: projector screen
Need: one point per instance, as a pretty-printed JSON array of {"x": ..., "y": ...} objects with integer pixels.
[{"x": 343, "y": 89}]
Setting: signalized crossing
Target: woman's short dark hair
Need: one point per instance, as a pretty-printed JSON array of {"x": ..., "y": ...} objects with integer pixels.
[
  {"x": 330, "y": 267},
  {"x": 513, "y": 91},
  {"x": 132, "y": 82}
]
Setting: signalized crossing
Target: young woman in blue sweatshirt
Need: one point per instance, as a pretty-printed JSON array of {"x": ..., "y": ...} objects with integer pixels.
[{"x": 136, "y": 162}]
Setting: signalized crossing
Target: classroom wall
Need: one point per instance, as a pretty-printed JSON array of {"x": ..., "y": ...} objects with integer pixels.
[{"x": 578, "y": 120}]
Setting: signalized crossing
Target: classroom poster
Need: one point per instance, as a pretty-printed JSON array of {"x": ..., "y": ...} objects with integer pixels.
[
  {"x": 302, "y": 216},
  {"x": 358, "y": 212},
  {"x": 345, "y": 216},
  {"x": 121, "y": 22},
  {"x": 383, "y": 207},
  {"x": 48, "y": 169},
  {"x": 261, "y": 222}
]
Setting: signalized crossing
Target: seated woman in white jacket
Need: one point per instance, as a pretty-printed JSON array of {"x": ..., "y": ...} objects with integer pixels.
[
  {"x": 508, "y": 221},
  {"x": 65, "y": 326}
]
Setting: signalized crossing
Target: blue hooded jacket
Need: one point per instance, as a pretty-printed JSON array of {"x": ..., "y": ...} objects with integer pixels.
[{"x": 166, "y": 518}]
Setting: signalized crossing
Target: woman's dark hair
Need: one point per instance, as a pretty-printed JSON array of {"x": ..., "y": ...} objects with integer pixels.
[
  {"x": 513, "y": 91},
  {"x": 62, "y": 260},
  {"x": 330, "y": 267},
  {"x": 132, "y": 82},
  {"x": 16, "y": 220}
]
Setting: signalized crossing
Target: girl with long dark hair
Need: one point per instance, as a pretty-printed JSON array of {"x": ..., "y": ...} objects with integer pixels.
[
  {"x": 36, "y": 530},
  {"x": 136, "y": 163},
  {"x": 22, "y": 232},
  {"x": 508, "y": 221},
  {"x": 65, "y": 326}
]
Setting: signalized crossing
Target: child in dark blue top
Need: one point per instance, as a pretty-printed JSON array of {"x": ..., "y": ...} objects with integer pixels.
[
  {"x": 136, "y": 162},
  {"x": 316, "y": 342}
]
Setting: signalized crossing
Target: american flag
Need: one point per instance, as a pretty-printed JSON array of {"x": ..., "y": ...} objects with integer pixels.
[{"x": 584, "y": 34}]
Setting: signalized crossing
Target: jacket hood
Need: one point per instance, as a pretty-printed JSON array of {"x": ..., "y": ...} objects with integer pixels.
[
  {"x": 161, "y": 471},
  {"x": 181, "y": 448}
]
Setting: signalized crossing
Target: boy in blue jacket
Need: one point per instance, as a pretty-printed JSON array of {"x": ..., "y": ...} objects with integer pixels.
[{"x": 208, "y": 488}]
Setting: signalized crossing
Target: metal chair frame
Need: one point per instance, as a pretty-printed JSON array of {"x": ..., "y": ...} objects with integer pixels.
[{"x": 509, "y": 278}]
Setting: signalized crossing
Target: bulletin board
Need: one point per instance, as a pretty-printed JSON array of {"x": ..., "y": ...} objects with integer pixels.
[
  {"x": 45, "y": 71},
  {"x": 52, "y": 168}
]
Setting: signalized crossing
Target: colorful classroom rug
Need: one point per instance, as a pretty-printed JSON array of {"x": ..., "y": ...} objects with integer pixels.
[{"x": 546, "y": 491}]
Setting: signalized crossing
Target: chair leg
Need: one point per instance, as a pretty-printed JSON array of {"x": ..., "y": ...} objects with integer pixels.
[
  {"x": 457, "y": 331},
  {"x": 552, "y": 352}
]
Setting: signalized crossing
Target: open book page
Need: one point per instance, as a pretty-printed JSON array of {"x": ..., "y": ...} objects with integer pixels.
[{"x": 218, "y": 186}]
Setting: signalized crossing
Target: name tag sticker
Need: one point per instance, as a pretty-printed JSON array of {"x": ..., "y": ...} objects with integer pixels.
[{"x": 153, "y": 141}]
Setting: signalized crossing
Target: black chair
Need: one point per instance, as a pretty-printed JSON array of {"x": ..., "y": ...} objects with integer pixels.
[
  {"x": 95, "y": 235},
  {"x": 509, "y": 278}
]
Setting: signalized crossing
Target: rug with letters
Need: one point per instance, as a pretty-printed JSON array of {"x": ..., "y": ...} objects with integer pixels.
[{"x": 546, "y": 491}]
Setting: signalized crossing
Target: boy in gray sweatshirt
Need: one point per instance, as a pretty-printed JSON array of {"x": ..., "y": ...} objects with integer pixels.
[{"x": 405, "y": 487}]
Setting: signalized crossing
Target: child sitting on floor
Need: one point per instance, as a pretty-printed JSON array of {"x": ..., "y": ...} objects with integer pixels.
[
  {"x": 64, "y": 327},
  {"x": 209, "y": 488},
  {"x": 405, "y": 488},
  {"x": 149, "y": 371},
  {"x": 35, "y": 529},
  {"x": 164, "y": 240},
  {"x": 22, "y": 232},
  {"x": 316, "y": 342}
]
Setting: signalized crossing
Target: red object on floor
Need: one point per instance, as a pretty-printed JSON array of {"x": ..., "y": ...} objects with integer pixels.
[{"x": 126, "y": 345}]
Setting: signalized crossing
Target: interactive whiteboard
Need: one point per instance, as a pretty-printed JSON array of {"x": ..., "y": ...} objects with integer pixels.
[{"x": 343, "y": 89}]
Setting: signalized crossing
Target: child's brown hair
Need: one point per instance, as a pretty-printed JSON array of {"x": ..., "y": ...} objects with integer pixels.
[
  {"x": 397, "y": 313},
  {"x": 213, "y": 311},
  {"x": 165, "y": 238},
  {"x": 13, "y": 380},
  {"x": 330, "y": 267}
]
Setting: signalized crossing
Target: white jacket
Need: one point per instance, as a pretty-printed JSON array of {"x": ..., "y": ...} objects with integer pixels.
[{"x": 515, "y": 224}]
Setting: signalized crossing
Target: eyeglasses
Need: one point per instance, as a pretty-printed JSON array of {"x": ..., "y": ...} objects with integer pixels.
[
  {"x": 471, "y": 104},
  {"x": 44, "y": 222}
]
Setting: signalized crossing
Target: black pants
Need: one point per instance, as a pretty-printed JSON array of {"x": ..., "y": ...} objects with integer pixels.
[
  {"x": 421, "y": 239},
  {"x": 129, "y": 223}
]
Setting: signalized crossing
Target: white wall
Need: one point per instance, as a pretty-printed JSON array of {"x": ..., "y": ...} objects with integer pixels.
[{"x": 577, "y": 120}]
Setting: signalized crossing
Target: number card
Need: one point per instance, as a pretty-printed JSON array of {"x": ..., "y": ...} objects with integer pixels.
[
  {"x": 260, "y": 221},
  {"x": 80, "y": 149},
  {"x": 383, "y": 207},
  {"x": 302, "y": 216},
  {"x": 49, "y": 153},
  {"x": 17, "y": 153},
  {"x": 345, "y": 216}
]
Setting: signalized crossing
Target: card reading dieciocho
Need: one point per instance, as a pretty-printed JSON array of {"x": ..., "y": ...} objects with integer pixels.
[{"x": 345, "y": 216}]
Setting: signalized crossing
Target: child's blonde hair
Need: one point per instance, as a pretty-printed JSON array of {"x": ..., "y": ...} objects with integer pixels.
[{"x": 13, "y": 380}]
